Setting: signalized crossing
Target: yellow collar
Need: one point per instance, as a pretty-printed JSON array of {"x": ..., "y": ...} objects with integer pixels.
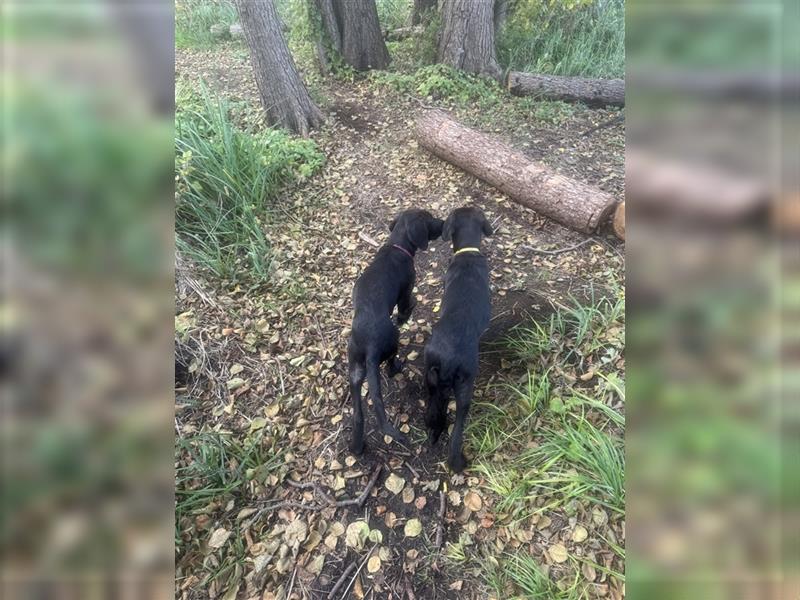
[{"x": 467, "y": 250}]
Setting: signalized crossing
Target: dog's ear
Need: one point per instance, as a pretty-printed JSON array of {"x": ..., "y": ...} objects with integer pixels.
[
  {"x": 392, "y": 224},
  {"x": 486, "y": 228},
  {"x": 447, "y": 228},
  {"x": 417, "y": 232}
]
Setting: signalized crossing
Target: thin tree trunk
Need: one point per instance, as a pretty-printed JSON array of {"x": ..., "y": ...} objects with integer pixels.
[
  {"x": 467, "y": 37},
  {"x": 355, "y": 32},
  {"x": 283, "y": 93},
  {"x": 593, "y": 92},
  {"x": 534, "y": 185},
  {"x": 422, "y": 11},
  {"x": 500, "y": 16}
]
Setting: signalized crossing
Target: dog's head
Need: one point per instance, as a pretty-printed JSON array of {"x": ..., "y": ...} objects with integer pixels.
[
  {"x": 466, "y": 226},
  {"x": 416, "y": 227}
]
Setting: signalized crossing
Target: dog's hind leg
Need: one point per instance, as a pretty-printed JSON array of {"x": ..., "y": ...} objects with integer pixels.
[
  {"x": 436, "y": 410},
  {"x": 405, "y": 305},
  {"x": 462, "y": 389},
  {"x": 374, "y": 382},
  {"x": 357, "y": 373}
]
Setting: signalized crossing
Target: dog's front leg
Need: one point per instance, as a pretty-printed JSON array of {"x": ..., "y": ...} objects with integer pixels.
[{"x": 463, "y": 393}]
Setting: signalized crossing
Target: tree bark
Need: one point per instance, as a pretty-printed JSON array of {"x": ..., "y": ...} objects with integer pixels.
[
  {"x": 594, "y": 92},
  {"x": 467, "y": 37},
  {"x": 422, "y": 11},
  {"x": 283, "y": 93},
  {"x": 534, "y": 185},
  {"x": 355, "y": 32},
  {"x": 500, "y": 15}
]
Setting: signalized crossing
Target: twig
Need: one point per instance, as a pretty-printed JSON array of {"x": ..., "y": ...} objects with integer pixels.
[
  {"x": 368, "y": 239},
  {"x": 351, "y": 567},
  {"x": 440, "y": 526},
  {"x": 409, "y": 589},
  {"x": 316, "y": 487},
  {"x": 361, "y": 566},
  {"x": 412, "y": 469},
  {"x": 560, "y": 250},
  {"x": 360, "y": 500},
  {"x": 291, "y": 584}
]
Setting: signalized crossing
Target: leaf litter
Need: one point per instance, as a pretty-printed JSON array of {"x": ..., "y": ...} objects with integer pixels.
[{"x": 268, "y": 367}]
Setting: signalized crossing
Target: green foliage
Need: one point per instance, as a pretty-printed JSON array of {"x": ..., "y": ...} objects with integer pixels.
[
  {"x": 84, "y": 174},
  {"x": 576, "y": 37},
  {"x": 227, "y": 182},
  {"x": 442, "y": 82},
  {"x": 393, "y": 14},
  {"x": 194, "y": 18}
]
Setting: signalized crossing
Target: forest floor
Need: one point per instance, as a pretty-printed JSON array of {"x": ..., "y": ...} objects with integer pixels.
[{"x": 261, "y": 402}]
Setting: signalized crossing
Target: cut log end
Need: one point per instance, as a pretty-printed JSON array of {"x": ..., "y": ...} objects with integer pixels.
[{"x": 619, "y": 221}]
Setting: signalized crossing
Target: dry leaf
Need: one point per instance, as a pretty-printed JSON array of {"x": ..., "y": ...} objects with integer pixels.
[
  {"x": 413, "y": 528},
  {"x": 374, "y": 564},
  {"x": 579, "y": 534},
  {"x": 219, "y": 537},
  {"x": 408, "y": 495},
  {"x": 356, "y": 534},
  {"x": 473, "y": 501},
  {"x": 558, "y": 553},
  {"x": 395, "y": 483}
]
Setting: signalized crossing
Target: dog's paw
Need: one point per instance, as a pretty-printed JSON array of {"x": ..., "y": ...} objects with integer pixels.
[
  {"x": 457, "y": 463},
  {"x": 357, "y": 447},
  {"x": 396, "y": 435},
  {"x": 395, "y": 367}
]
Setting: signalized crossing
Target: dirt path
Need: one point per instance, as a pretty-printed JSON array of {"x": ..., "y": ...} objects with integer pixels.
[{"x": 290, "y": 344}]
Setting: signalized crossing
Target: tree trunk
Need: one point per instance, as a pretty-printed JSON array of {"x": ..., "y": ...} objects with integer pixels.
[
  {"x": 283, "y": 94},
  {"x": 467, "y": 37},
  {"x": 422, "y": 11},
  {"x": 355, "y": 32},
  {"x": 594, "y": 92},
  {"x": 500, "y": 15},
  {"x": 571, "y": 203}
]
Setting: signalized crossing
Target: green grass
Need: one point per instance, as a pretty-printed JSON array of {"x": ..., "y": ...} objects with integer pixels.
[
  {"x": 194, "y": 18},
  {"x": 227, "y": 185},
  {"x": 552, "y": 442},
  {"x": 586, "y": 38},
  {"x": 212, "y": 466}
]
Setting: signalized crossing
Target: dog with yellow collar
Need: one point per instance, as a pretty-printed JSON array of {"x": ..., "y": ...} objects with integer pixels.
[{"x": 451, "y": 355}]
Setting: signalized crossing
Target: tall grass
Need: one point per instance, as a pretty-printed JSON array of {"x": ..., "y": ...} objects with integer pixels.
[
  {"x": 194, "y": 18},
  {"x": 227, "y": 184},
  {"x": 545, "y": 36}
]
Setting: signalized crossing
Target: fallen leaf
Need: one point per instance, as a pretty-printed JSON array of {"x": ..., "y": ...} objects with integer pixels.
[
  {"x": 408, "y": 495},
  {"x": 376, "y": 536},
  {"x": 454, "y": 497},
  {"x": 315, "y": 565},
  {"x": 219, "y": 537},
  {"x": 473, "y": 501},
  {"x": 558, "y": 553},
  {"x": 235, "y": 383},
  {"x": 356, "y": 534},
  {"x": 374, "y": 564},
  {"x": 413, "y": 528},
  {"x": 296, "y": 532},
  {"x": 390, "y": 519},
  {"x": 394, "y": 483},
  {"x": 420, "y": 502},
  {"x": 579, "y": 534}
]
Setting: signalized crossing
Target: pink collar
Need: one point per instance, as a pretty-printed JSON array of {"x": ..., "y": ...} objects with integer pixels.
[{"x": 404, "y": 251}]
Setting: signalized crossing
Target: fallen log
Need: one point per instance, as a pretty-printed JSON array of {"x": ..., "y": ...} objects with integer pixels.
[
  {"x": 534, "y": 185},
  {"x": 619, "y": 220},
  {"x": 593, "y": 92},
  {"x": 401, "y": 33}
]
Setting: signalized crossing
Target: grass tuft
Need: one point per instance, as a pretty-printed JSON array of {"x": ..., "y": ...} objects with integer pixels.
[
  {"x": 227, "y": 183},
  {"x": 194, "y": 18}
]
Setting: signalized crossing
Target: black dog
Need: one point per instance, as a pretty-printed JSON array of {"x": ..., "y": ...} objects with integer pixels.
[
  {"x": 451, "y": 356},
  {"x": 386, "y": 283}
]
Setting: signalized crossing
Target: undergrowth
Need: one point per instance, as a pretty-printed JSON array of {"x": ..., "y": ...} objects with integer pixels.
[
  {"x": 194, "y": 18},
  {"x": 227, "y": 184},
  {"x": 556, "y": 444},
  {"x": 578, "y": 37}
]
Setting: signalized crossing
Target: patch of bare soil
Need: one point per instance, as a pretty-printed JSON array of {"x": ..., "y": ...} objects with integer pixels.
[{"x": 289, "y": 343}]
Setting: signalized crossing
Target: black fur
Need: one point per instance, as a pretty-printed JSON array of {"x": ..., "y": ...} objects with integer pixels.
[
  {"x": 386, "y": 283},
  {"x": 451, "y": 355}
]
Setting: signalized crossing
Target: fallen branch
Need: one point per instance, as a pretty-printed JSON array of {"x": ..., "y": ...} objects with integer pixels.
[
  {"x": 361, "y": 566},
  {"x": 368, "y": 239},
  {"x": 351, "y": 567},
  {"x": 620, "y": 118},
  {"x": 593, "y": 92},
  {"x": 440, "y": 526},
  {"x": 312, "y": 486},
  {"x": 360, "y": 500}
]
